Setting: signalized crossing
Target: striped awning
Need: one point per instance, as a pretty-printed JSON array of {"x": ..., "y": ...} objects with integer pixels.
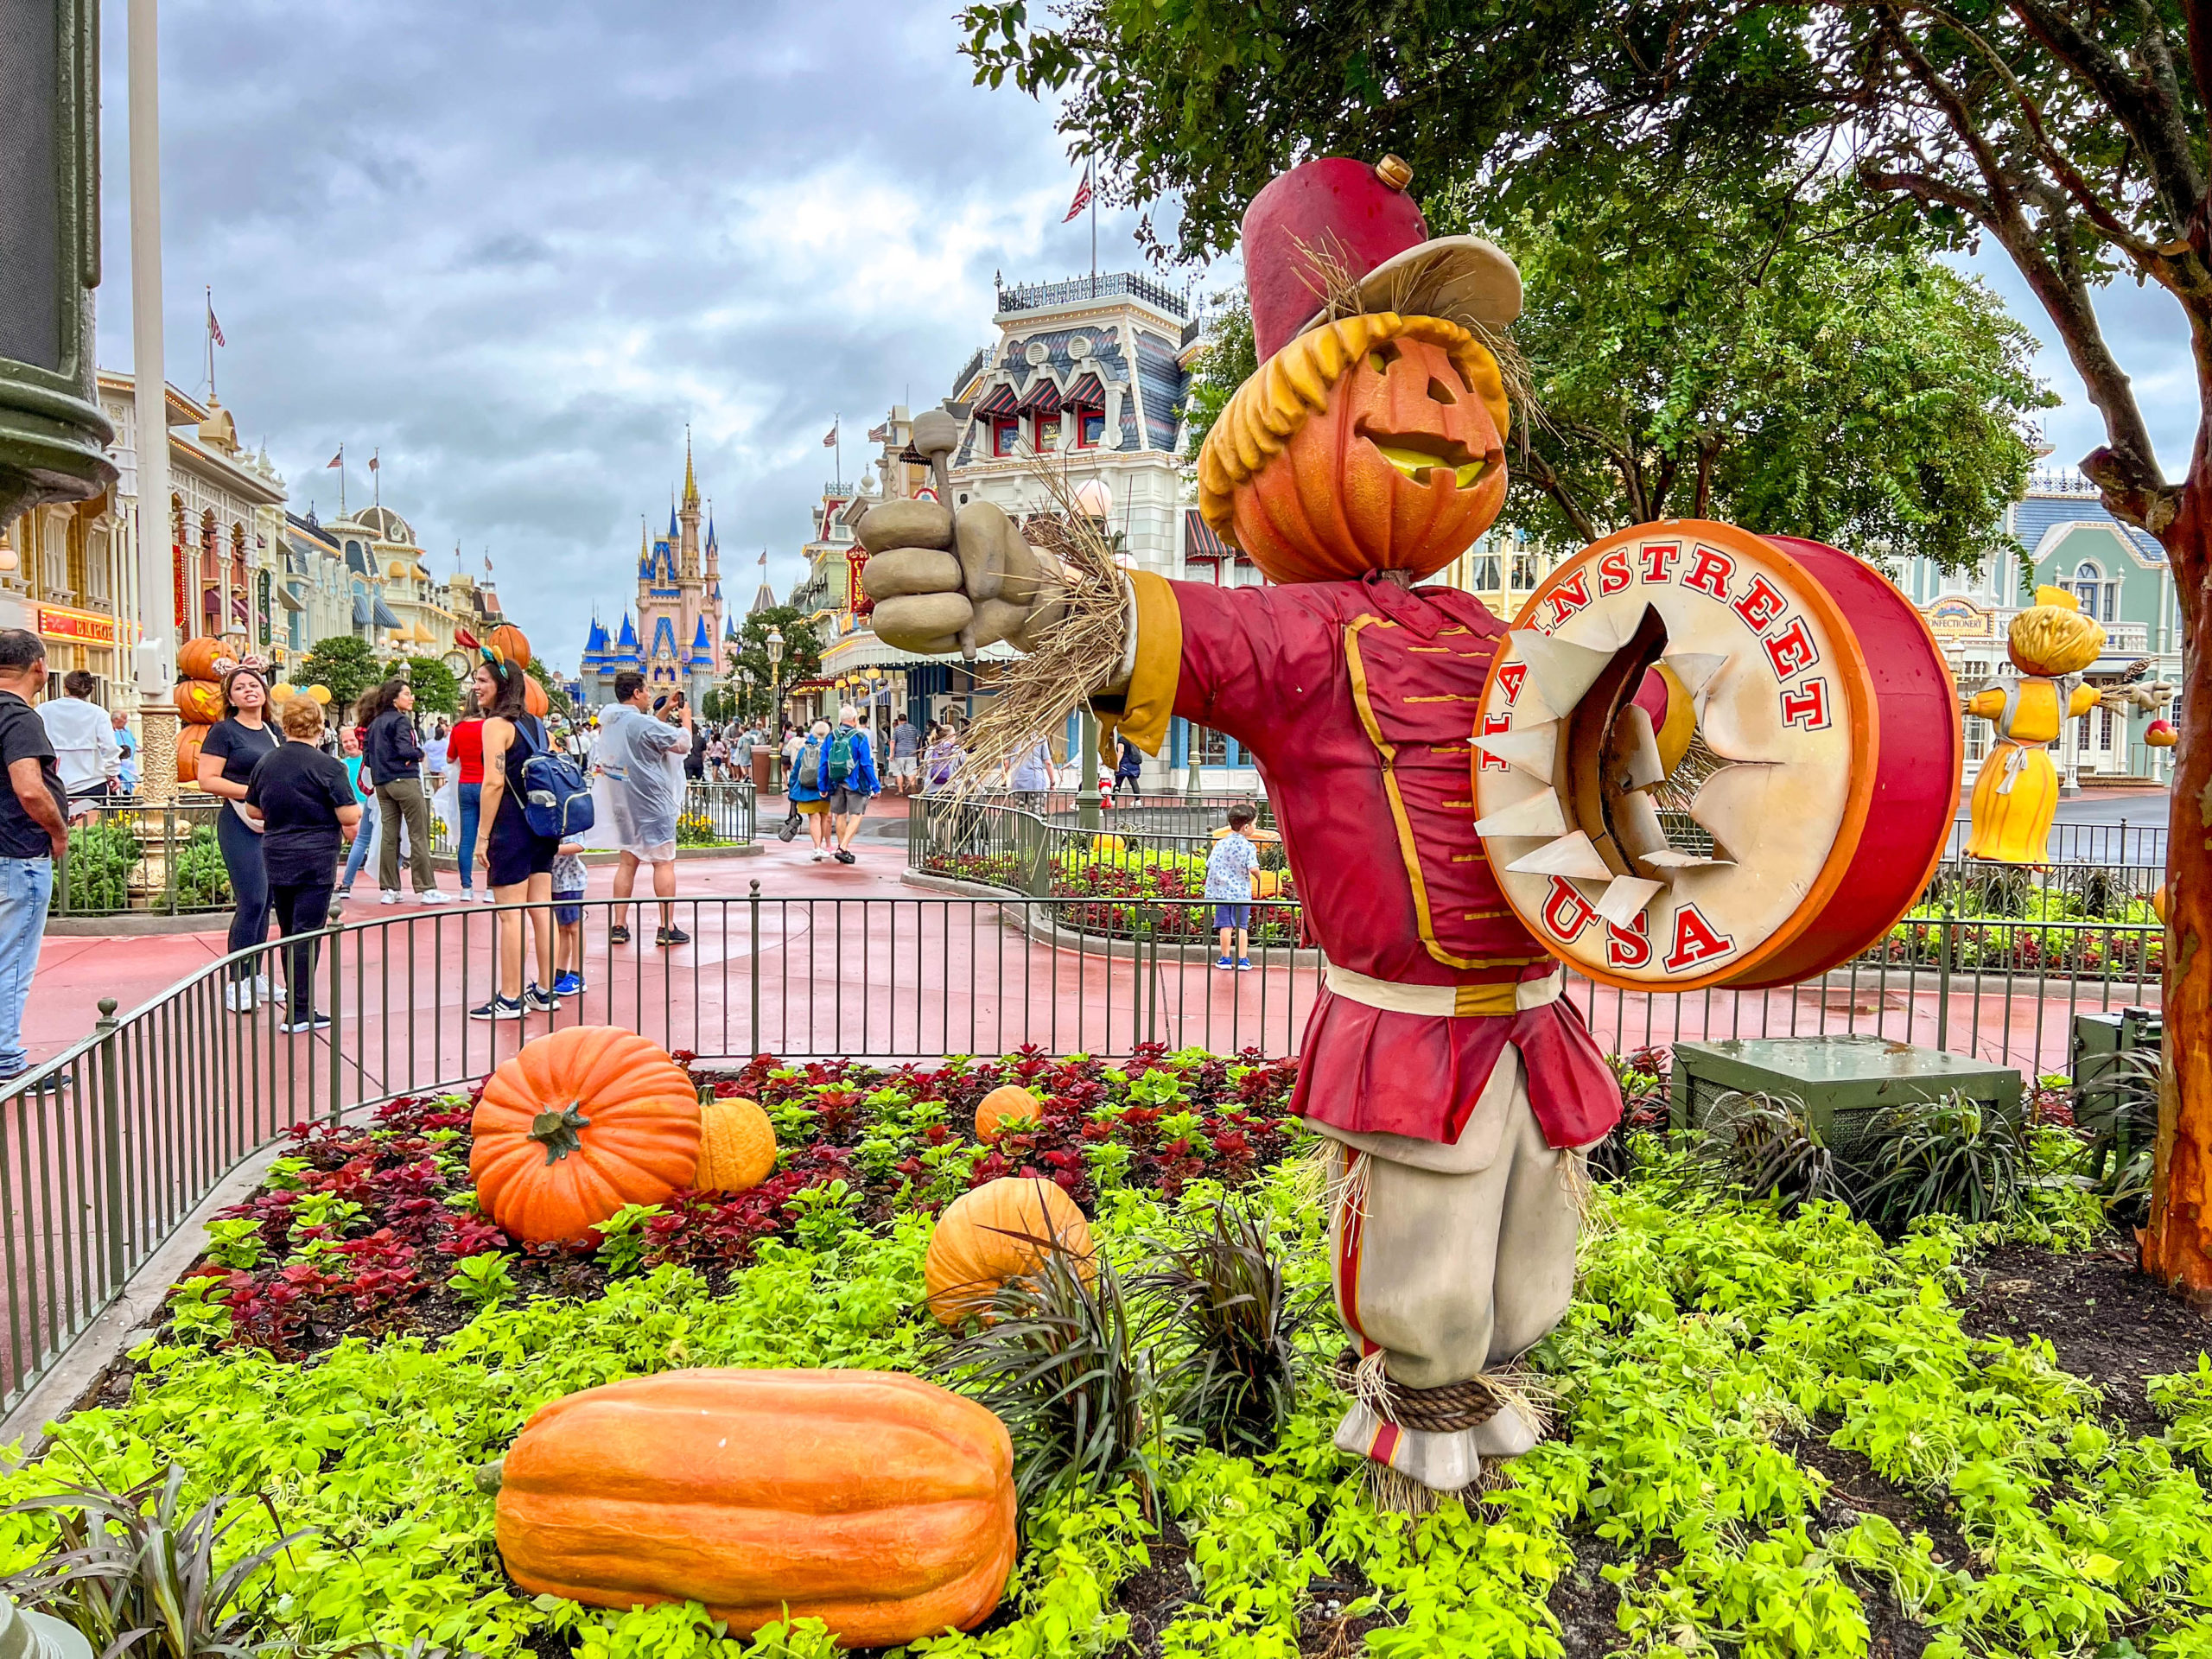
[
  {"x": 1202, "y": 541},
  {"x": 362, "y": 613},
  {"x": 1001, "y": 402},
  {"x": 1086, "y": 393},
  {"x": 385, "y": 618},
  {"x": 1043, "y": 395}
]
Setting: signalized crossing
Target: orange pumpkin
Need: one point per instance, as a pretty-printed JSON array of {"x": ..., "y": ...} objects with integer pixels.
[
  {"x": 1004, "y": 1107},
  {"x": 577, "y": 1124},
  {"x": 1373, "y": 444},
  {"x": 196, "y": 658},
  {"x": 994, "y": 1232},
  {"x": 512, "y": 642},
  {"x": 188, "y": 739},
  {"x": 199, "y": 702},
  {"x": 737, "y": 1146},
  {"x": 879, "y": 1504},
  {"x": 534, "y": 700}
]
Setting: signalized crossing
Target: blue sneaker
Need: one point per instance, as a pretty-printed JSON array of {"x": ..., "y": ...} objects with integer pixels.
[
  {"x": 1243, "y": 964},
  {"x": 1224, "y": 964},
  {"x": 568, "y": 984}
]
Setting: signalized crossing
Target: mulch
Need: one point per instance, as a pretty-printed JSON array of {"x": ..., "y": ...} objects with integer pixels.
[{"x": 2107, "y": 1322}]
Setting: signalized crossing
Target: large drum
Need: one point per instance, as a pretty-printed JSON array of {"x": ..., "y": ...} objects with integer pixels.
[{"x": 1710, "y": 758}]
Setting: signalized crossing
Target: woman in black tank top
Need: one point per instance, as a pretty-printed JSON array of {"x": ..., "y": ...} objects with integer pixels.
[{"x": 518, "y": 863}]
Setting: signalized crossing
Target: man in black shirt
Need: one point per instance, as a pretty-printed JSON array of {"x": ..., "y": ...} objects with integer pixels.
[{"x": 33, "y": 833}]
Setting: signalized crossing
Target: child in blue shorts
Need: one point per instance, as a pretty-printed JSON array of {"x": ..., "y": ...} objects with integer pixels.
[
  {"x": 1229, "y": 889},
  {"x": 569, "y": 919}
]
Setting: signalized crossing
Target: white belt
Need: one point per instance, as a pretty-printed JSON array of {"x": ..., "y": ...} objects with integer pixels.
[{"x": 1507, "y": 997}]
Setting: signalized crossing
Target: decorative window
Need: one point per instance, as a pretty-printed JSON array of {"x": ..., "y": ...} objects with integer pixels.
[
  {"x": 1006, "y": 436},
  {"x": 2088, "y": 588},
  {"x": 1090, "y": 428},
  {"x": 1048, "y": 433},
  {"x": 1489, "y": 576},
  {"x": 1525, "y": 571}
]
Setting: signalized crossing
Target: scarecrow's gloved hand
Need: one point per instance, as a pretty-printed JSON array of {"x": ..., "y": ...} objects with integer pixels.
[{"x": 934, "y": 596}]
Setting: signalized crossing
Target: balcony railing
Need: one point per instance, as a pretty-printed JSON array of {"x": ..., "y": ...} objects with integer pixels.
[{"x": 1035, "y": 296}]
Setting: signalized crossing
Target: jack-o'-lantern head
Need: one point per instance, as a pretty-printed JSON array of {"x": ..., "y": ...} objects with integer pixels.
[{"x": 1374, "y": 442}]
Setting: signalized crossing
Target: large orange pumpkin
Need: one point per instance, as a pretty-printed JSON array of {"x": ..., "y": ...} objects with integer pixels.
[
  {"x": 737, "y": 1146},
  {"x": 1005, "y": 1106},
  {"x": 188, "y": 739},
  {"x": 577, "y": 1124},
  {"x": 996, "y": 1232},
  {"x": 196, "y": 658},
  {"x": 534, "y": 700},
  {"x": 199, "y": 702},
  {"x": 512, "y": 642},
  {"x": 879, "y": 1504},
  {"x": 1373, "y": 444}
]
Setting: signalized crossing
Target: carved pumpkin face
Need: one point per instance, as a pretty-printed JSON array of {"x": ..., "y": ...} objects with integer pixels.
[{"x": 1401, "y": 467}]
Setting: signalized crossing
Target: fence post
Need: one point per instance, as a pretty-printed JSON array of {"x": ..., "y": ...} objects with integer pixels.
[
  {"x": 753, "y": 970},
  {"x": 168, "y": 857},
  {"x": 335, "y": 949},
  {"x": 111, "y": 1133},
  {"x": 1943, "y": 981}
]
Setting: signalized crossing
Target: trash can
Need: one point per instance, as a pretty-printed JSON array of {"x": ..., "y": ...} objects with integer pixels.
[{"x": 764, "y": 767}]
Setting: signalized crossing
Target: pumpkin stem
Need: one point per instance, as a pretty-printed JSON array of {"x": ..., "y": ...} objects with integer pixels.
[
  {"x": 559, "y": 1133},
  {"x": 487, "y": 1476}
]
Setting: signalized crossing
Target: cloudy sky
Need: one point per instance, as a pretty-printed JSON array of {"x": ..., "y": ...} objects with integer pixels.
[{"x": 516, "y": 248}]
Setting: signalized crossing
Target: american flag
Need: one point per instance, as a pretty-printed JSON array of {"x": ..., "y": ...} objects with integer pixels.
[
  {"x": 337, "y": 460},
  {"x": 1082, "y": 198},
  {"x": 879, "y": 434},
  {"x": 214, "y": 328},
  {"x": 829, "y": 438}
]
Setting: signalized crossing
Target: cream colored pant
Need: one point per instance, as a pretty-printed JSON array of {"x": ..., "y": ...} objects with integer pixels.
[{"x": 1452, "y": 1260}]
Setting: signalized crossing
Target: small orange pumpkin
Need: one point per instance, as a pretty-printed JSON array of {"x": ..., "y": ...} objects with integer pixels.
[
  {"x": 188, "y": 739},
  {"x": 534, "y": 700},
  {"x": 1394, "y": 457},
  {"x": 1005, "y": 1107},
  {"x": 994, "y": 1232},
  {"x": 512, "y": 642},
  {"x": 196, "y": 658},
  {"x": 199, "y": 702},
  {"x": 737, "y": 1146},
  {"x": 577, "y": 1124},
  {"x": 881, "y": 1504}
]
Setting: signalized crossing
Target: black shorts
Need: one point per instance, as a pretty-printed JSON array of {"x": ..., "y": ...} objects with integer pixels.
[{"x": 512, "y": 853}]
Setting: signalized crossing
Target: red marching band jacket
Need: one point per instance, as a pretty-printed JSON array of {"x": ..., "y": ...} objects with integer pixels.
[{"x": 1358, "y": 700}]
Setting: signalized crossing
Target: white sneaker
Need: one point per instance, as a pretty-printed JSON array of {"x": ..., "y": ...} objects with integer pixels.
[
  {"x": 265, "y": 991},
  {"x": 388, "y": 896},
  {"x": 434, "y": 896},
  {"x": 818, "y": 857},
  {"x": 239, "y": 995},
  {"x": 490, "y": 897}
]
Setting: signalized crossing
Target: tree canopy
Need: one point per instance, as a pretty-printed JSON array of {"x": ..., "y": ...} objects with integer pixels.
[
  {"x": 437, "y": 688},
  {"x": 748, "y": 659},
  {"x": 345, "y": 664}
]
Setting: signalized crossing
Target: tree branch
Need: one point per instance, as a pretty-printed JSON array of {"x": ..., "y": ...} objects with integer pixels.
[{"x": 1541, "y": 473}]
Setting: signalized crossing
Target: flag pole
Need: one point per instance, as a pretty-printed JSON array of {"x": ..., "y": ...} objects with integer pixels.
[
  {"x": 1090, "y": 177},
  {"x": 837, "y": 431},
  {"x": 342, "y": 480},
  {"x": 209, "y": 291}
]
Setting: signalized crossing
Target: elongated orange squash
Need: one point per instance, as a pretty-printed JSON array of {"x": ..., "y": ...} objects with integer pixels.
[{"x": 881, "y": 1504}]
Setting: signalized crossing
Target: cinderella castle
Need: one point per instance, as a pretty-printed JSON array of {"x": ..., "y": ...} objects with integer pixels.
[{"x": 672, "y": 638}]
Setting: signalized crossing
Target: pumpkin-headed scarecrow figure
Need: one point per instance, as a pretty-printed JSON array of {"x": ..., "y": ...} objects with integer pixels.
[
  {"x": 2016, "y": 795},
  {"x": 1457, "y": 1086}
]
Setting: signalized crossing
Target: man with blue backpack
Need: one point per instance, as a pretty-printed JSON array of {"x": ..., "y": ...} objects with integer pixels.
[
  {"x": 849, "y": 775},
  {"x": 641, "y": 758}
]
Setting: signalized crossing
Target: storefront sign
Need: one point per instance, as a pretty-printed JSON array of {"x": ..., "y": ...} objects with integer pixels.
[
  {"x": 1957, "y": 618},
  {"x": 76, "y": 625}
]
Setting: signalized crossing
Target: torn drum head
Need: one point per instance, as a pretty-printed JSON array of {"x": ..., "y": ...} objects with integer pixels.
[{"x": 1708, "y": 758}]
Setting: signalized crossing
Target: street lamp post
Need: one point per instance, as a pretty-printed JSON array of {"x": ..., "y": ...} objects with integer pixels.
[{"x": 775, "y": 694}]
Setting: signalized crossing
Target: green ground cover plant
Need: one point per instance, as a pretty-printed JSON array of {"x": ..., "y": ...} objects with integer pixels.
[{"x": 1714, "y": 1340}]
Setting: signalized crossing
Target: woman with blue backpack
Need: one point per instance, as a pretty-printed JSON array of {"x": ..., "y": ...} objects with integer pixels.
[{"x": 517, "y": 857}]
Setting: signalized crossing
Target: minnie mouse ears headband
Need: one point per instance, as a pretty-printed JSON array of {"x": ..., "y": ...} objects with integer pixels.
[
  {"x": 495, "y": 658},
  {"x": 226, "y": 666}
]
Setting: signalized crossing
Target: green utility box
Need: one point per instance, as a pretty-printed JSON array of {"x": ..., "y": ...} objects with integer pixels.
[
  {"x": 2100, "y": 1038},
  {"x": 1845, "y": 1082}
]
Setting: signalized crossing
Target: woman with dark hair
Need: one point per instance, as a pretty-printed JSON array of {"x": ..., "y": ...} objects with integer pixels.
[
  {"x": 518, "y": 860},
  {"x": 464, "y": 751},
  {"x": 227, "y": 756},
  {"x": 393, "y": 756}
]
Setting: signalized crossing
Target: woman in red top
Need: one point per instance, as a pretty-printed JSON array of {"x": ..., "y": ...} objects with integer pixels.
[{"x": 465, "y": 748}]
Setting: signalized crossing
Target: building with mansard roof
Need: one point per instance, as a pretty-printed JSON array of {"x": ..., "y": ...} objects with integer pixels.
[{"x": 679, "y": 615}]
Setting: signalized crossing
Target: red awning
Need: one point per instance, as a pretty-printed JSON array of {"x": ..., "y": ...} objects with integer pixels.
[
  {"x": 1043, "y": 395},
  {"x": 1001, "y": 402},
  {"x": 1200, "y": 540},
  {"x": 1086, "y": 393}
]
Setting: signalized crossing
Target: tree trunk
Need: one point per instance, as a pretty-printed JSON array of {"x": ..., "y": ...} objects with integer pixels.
[{"x": 2177, "y": 1243}]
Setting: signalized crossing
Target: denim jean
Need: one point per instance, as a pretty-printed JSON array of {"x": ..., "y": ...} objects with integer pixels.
[
  {"x": 241, "y": 847},
  {"x": 364, "y": 842},
  {"x": 26, "y": 885},
  {"x": 471, "y": 797}
]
